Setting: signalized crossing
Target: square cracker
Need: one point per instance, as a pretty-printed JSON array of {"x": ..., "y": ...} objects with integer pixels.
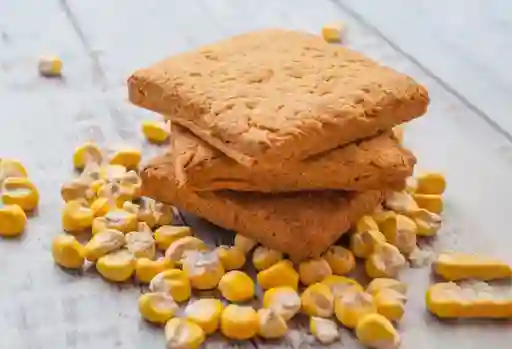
[
  {"x": 301, "y": 224},
  {"x": 276, "y": 95},
  {"x": 375, "y": 163}
]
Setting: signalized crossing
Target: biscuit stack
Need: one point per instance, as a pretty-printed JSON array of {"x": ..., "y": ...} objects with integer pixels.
[{"x": 278, "y": 136}]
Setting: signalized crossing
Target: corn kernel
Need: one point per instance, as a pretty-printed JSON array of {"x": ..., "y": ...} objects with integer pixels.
[
  {"x": 116, "y": 193},
  {"x": 362, "y": 244},
  {"x": 50, "y": 66},
  {"x": 318, "y": 300},
  {"x": 205, "y": 312},
  {"x": 340, "y": 259},
  {"x": 236, "y": 286},
  {"x": 167, "y": 234},
  {"x": 76, "y": 216},
  {"x": 183, "y": 334},
  {"x": 458, "y": 266},
  {"x": 284, "y": 301},
  {"x": 155, "y": 132},
  {"x": 428, "y": 223},
  {"x": 314, "y": 270},
  {"x": 146, "y": 269},
  {"x": 332, "y": 33},
  {"x": 271, "y": 324},
  {"x": 12, "y": 220},
  {"x": 400, "y": 231},
  {"x": 366, "y": 223},
  {"x": 11, "y": 169},
  {"x": 400, "y": 202},
  {"x": 352, "y": 307},
  {"x": 128, "y": 157},
  {"x": 174, "y": 282},
  {"x": 398, "y": 133},
  {"x": 375, "y": 331},
  {"x": 379, "y": 284},
  {"x": 177, "y": 250},
  {"x": 145, "y": 211},
  {"x": 118, "y": 219},
  {"x": 239, "y": 322},
  {"x": 203, "y": 268},
  {"x": 340, "y": 285},
  {"x": 390, "y": 303},
  {"x": 87, "y": 153},
  {"x": 103, "y": 243},
  {"x": 101, "y": 206},
  {"x": 386, "y": 261},
  {"x": 67, "y": 252},
  {"x": 429, "y": 202},
  {"x": 324, "y": 330},
  {"x": 264, "y": 258},
  {"x": 117, "y": 266},
  {"x": 157, "y": 307},
  {"x": 280, "y": 274},
  {"x": 131, "y": 183},
  {"x": 163, "y": 213},
  {"x": 244, "y": 243},
  {"x": 112, "y": 172},
  {"x": 141, "y": 244},
  {"x": 76, "y": 189},
  {"x": 232, "y": 258},
  {"x": 430, "y": 183}
]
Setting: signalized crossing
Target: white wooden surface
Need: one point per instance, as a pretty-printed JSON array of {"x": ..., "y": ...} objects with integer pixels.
[{"x": 101, "y": 42}]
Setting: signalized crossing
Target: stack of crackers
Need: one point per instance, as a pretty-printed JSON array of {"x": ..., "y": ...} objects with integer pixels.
[{"x": 279, "y": 136}]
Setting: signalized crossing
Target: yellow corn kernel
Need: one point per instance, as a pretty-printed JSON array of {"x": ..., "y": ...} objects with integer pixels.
[
  {"x": 20, "y": 191},
  {"x": 458, "y": 266},
  {"x": 76, "y": 216},
  {"x": 244, "y": 243},
  {"x": 390, "y": 304},
  {"x": 177, "y": 250},
  {"x": 49, "y": 66},
  {"x": 174, "y": 282},
  {"x": 145, "y": 211},
  {"x": 317, "y": 300},
  {"x": 183, "y": 334},
  {"x": 340, "y": 259},
  {"x": 117, "y": 266},
  {"x": 167, "y": 234},
  {"x": 101, "y": 206},
  {"x": 146, "y": 269},
  {"x": 400, "y": 202},
  {"x": 12, "y": 220},
  {"x": 163, "y": 213},
  {"x": 363, "y": 243},
  {"x": 97, "y": 185},
  {"x": 157, "y": 307},
  {"x": 379, "y": 284},
  {"x": 271, "y": 324},
  {"x": 280, "y": 274},
  {"x": 11, "y": 168},
  {"x": 385, "y": 262},
  {"x": 429, "y": 202},
  {"x": 333, "y": 32},
  {"x": 340, "y": 285},
  {"x": 205, "y": 312},
  {"x": 314, "y": 270},
  {"x": 118, "y": 219},
  {"x": 116, "y": 193},
  {"x": 352, "y": 307},
  {"x": 239, "y": 322},
  {"x": 284, "y": 301},
  {"x": 400, "y": 231},
  {"x": 155, "y": 132},
  {"x": 232, "y": 258},
  {"x": 103, "y": 243},
  {"x": 76, "y": 189},
  {"x": 398, "y": 133},
  {"x": 203, "y": 268},
  {"x": 428, "y": 223},
  {"x": 430, "y": 183},
  {"x": 375, "y": 331},
  {"x": 324, "y": 330},
  {"x": 87, "y": 153},
  {"x": 366, "y": 223},
  {"x": 236, "y": 286},
  {"x": 263, "y": 257},
  {"x": 112, "y": 172},
  {"x": 141, "y": 244},
  {"x": 128, "y": 157},
  {"x": 67, "y": 252}
]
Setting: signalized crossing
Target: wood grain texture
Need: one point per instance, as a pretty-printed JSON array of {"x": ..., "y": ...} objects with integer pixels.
[{"x": 101, "y": 42}]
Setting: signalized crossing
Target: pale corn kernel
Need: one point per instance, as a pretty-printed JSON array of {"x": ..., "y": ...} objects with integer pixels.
[
  {"x": 10, "y": 168},
  {"x": 157, "y": 307},
  {"x": 420, "y": 257},
  {"x": 239, "y": 322},
  {"x": 117, "y": 266},
  {"x": 430, "y": 183},
  {"x": 131, "y": 183},
  {"x": 13, "y": 220},
  {"x": 386, "y": 261},
  {"x": 155, "y": 132},
  {"x": 340, "y": 285},
  {"x": 375, "y": 331},
  {"x": 167, "y": 234},
  {"x": 453, "y": 266},
  {"x": 76, "y": 189},
  {"x": 366, "y": 223},
  {"x": 285, "y": 301},
  {"x": 49, "y": 66},
  {"x": 145, "y": 211},
  {"x": 324, "y": 330},
  {"x": 163, "y": 213},
  {"x": 112, "y": 172},
  {"x": 203, "y": 268},
  {"x": 400, "y": 202},
  {"x": 271, "y": 324},
  {"x": 127, "y": 157},
  {"x": 141, "y": 244},
  {"x": 76, "y": 216},
  {"x": 390, "y": 304},
  {"x": 177, "y": 250},
  {"x": 68, "y": 252},
  {"x": 85, "y": 154},
  {"x": 101, "y": 206},
  {"x": 428, "y": 223},
  {"x": 232, "y": 258},
  {"x": 398, "y": 133},
  {"x": 317, "y": 300},
  {"x": 333, "y": 32},
  {"x": 280, "y": 274},
  {"x": 183, "y": 334},
  {"x": 173, "y": 282},
  {"x": 103, "y": 243},
  {"x": 118, "y": 219},
  {"x": 264, "y": 258},
  {"x": 314, "y": 270},
  {"x": 116, "y": 193},
  {"x": 146, "y": 269},
  {"x": 205, "y": 313},
  {"x": 362, "y": 244},
  {"x": 429, "y": 202},
  {"x": 400, "y": 231},
  {"x": 244, "y": 243},
  {"x": 352, "y": 307},
  {"x": 379, "y": 284},
  {"x": 236, "y": 286},
  {"x": 340, "y": 259}
]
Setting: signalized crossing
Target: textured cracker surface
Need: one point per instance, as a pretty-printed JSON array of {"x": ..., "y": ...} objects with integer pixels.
[
  {"x": 375, "y": 163},
  {"x": 275, "y": 95},
  {"x": 300, "y": 224}
]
